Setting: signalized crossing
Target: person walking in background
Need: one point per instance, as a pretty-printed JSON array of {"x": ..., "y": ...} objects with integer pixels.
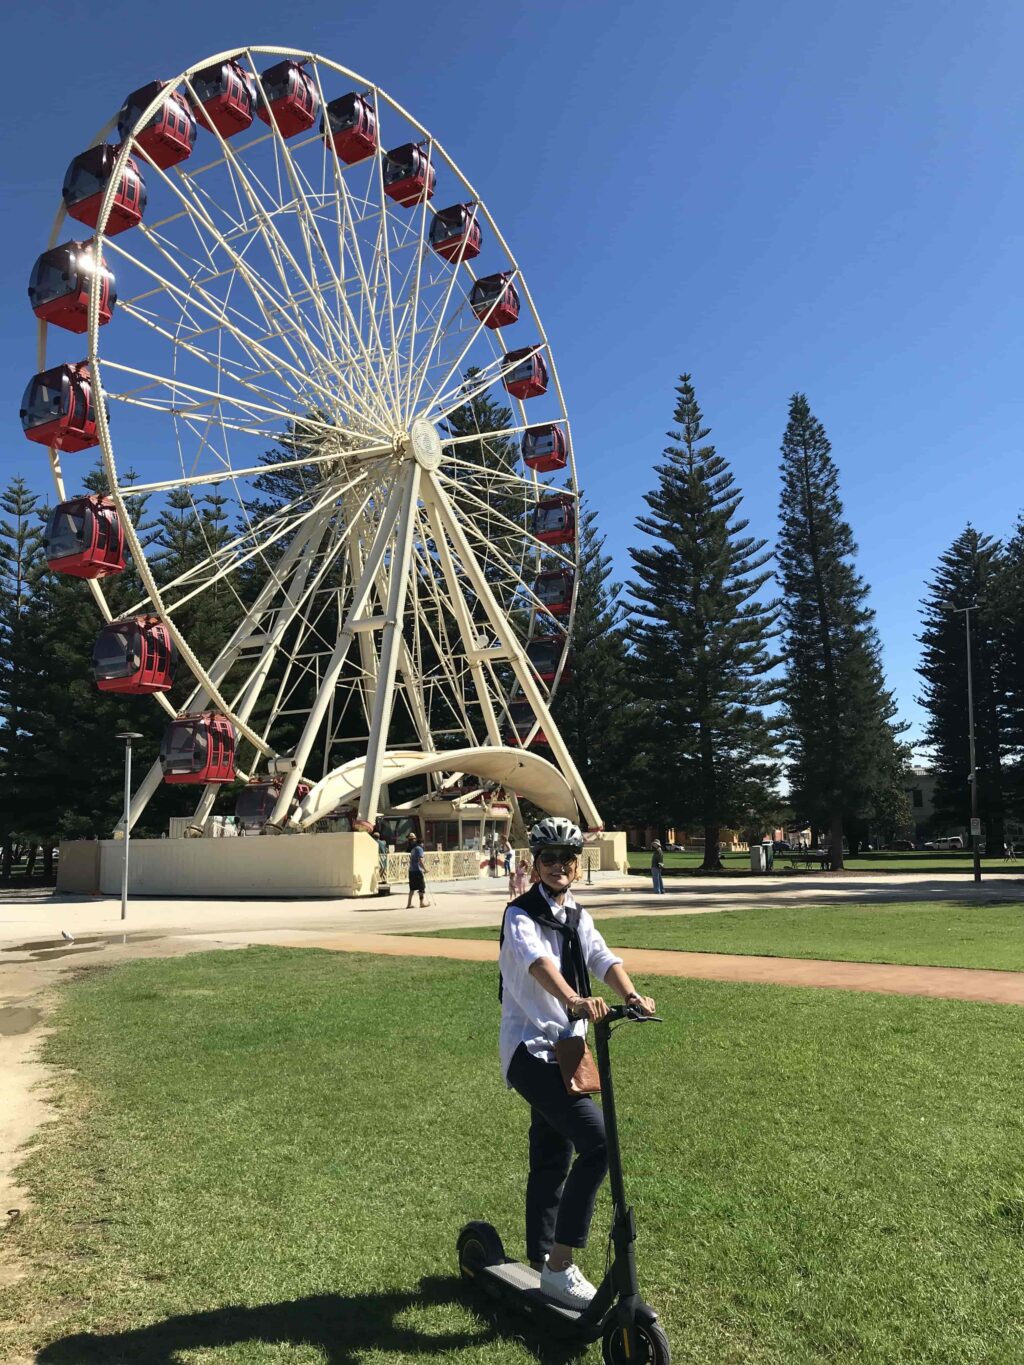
[
  {"x": 507, "y": 855},
  {"x": 657, "y": 864},
  {"x": 382, "y": 854},
  {"x": 519, "y": 881},
  {"x": 417, "y": 875}
]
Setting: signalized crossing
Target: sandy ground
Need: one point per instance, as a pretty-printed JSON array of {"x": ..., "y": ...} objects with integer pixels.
[{"x": 34, "y": 957}]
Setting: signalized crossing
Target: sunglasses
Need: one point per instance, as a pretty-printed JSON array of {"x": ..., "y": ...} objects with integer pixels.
[{"x": 552, "y": 856}]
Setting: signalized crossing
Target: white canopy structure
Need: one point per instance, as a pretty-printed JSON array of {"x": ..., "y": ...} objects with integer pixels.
[{"x": 517, "y": 770}]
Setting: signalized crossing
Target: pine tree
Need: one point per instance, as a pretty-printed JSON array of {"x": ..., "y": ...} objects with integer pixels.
[
  {"x": 592, "y": 703},
  {"x": 841, "y": 728},
  {"x": 969, "y": 574},
  {"x": 20, "y": 544},
  {"x": 702, "y": 651},
  {"x": 1008, "y": 611}
]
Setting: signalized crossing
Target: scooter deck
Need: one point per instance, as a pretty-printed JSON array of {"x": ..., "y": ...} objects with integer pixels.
[{"x": 526, "y": 1282}]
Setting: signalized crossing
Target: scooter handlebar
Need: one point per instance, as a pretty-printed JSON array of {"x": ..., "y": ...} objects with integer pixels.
[{"x": 631, "y": 1014}]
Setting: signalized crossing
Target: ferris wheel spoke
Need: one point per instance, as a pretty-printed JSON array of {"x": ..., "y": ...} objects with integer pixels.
[
  {"x": 440, "y": 393},
  {"x": 349, "y": 246},
  {"x": 440, "y": 328},
  {"x": 212, "y": 308},
  {"x": 444, "y": 647},
  {"x": 310, "y": 228},
  {"x": 248, "y": 407},
  {"x": 447, "y": 402},
  {"x": 493, "y": 475},
  {"x": 224, "y": 561},
  {"x": 224, "y": 367},
  {"x": 278, "y": 250},
  {"x": 384, "y": 263},
  {"x": 201, "y": 220},
  {"x": 513, "y": 529}
]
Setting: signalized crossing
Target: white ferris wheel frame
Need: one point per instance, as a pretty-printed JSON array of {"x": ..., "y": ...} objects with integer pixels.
[{"x": 423, "y": 500}]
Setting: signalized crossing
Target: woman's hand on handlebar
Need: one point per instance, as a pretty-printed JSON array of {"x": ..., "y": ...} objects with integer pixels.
[
  {"x": 645, "y": 1003},
  {"x": 589, "y": 1007}
]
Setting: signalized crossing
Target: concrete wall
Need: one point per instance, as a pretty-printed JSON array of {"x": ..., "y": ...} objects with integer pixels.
[
  {"x": 299, "y": 865},
  {"x": 78, "y": 867},
  {"x": 614, "y": 857}
]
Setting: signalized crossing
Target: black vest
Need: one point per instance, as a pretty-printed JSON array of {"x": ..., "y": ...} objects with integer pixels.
[{"x": 573, "y": 964}]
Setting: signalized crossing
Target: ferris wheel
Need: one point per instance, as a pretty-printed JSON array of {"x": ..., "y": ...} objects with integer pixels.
[{"x": 304, "y": 331}]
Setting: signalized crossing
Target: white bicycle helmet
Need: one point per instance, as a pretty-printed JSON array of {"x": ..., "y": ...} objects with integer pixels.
[{"x": 555, "y": 831}]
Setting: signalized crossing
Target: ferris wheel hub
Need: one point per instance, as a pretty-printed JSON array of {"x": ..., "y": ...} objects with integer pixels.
[{"x": 423, "y": 444}]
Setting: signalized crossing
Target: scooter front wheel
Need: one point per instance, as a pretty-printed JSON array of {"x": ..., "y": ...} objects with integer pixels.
[{"x": 638, "y": 1344}]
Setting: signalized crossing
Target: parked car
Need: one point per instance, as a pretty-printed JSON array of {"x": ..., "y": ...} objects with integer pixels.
[
  {"x": 674, "y": 848},
  {"x": 950, "y": 841},
  {"x": 781, "y": 845},
  {"x": 902, "y": 845}
]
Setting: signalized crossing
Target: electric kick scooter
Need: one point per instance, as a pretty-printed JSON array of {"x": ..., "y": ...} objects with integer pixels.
[{"x": 628, "y": 1327}]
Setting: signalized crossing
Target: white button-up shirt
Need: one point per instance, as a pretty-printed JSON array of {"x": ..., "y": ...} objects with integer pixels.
[{"x": 529, "y": 1013}]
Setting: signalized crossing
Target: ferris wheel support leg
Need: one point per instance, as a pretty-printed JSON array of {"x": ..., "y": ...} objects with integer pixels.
[
  {"x": 462, "y": 615},
  {"x": 143, "y": 794},
  {"x": 516, "y": 654},
  {"x": 391, "y": 635},
  {"x": 331, "y": 672}
]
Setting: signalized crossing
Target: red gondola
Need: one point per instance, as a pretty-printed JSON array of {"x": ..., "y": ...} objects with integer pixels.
[
  {"x": 59, "y": 286},
  {"x": 544, "y": 448},
  {"x": 290, "y": 93},
  {"x": 553, "y": 590},
  {"x": 58, "y": 410},
  {"x": 495, "y": 300},
  {"x": 85, "y": 183},
  {"x": 134, "y": 655},
  {"x": 255, "y": 803},
  {"x": 408, "y": 176},
  {"x": 455, "y": 234},
  {"x": 198, "y": 748},
  {"x": 225, "y": 98},
  {"x": 554, "y": 520},
  {"x": 349, "y": 123},
  {"x": 522, "y": 721},
  {"x": 526, "y": 375},
  {"x": 545, "y": 655},
  {"x": 170, "y": 134},
  {"x": 84, "y": 538}
]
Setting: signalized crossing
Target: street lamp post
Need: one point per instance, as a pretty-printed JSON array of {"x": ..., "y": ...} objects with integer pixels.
[
  {"x": 127, "y": 736},
  {"x": 973, "y": 777}
]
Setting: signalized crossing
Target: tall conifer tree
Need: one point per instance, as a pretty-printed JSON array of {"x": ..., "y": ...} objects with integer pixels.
[
  {"x": 702, "y": 641},
  {"x": 841, "y": 727},
  {"x": 592, "y": 702},
  {"x": 969, "y": 574}
]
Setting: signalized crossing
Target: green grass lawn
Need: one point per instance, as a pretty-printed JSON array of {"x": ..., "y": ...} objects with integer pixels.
[
  {"x": 265, "y": 1156},
  {"x": 922, "y": 861},
  {"x": 927, "y": 933}
]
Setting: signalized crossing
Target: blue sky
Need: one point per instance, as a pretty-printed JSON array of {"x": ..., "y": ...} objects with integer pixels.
[{"x": 778, "y": 197}]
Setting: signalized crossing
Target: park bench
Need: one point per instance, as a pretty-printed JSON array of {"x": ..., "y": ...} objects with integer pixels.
[{"x": 805, "y": 856}]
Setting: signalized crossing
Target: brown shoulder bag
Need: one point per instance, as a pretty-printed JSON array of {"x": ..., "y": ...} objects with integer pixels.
[{"x": 576, "y": 1063}]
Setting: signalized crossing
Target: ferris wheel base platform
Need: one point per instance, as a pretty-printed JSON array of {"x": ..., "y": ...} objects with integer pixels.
[{"x": 304, "y": 867}]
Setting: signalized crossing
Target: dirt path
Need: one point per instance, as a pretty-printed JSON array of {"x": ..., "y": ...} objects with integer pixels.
[{"x": 947, "y": 983}]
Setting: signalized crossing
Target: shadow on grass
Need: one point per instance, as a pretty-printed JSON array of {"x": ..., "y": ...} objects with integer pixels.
[{"x": 344, "y": 1329}]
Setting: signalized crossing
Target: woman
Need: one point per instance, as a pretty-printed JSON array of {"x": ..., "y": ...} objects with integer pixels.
[{"x": 549, "y": 947}]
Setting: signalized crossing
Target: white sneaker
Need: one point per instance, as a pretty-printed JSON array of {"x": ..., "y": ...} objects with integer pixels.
[{"x": 569, "y": 1286}]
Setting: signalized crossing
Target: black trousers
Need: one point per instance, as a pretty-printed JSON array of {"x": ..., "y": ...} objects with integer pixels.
[{"x": 559, "y": 1200}]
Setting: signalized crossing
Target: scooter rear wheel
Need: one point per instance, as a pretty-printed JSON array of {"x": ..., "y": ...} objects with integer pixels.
[
  {"x": 478, "y": 1246},
  {"x": 646, "y": 1344}
]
